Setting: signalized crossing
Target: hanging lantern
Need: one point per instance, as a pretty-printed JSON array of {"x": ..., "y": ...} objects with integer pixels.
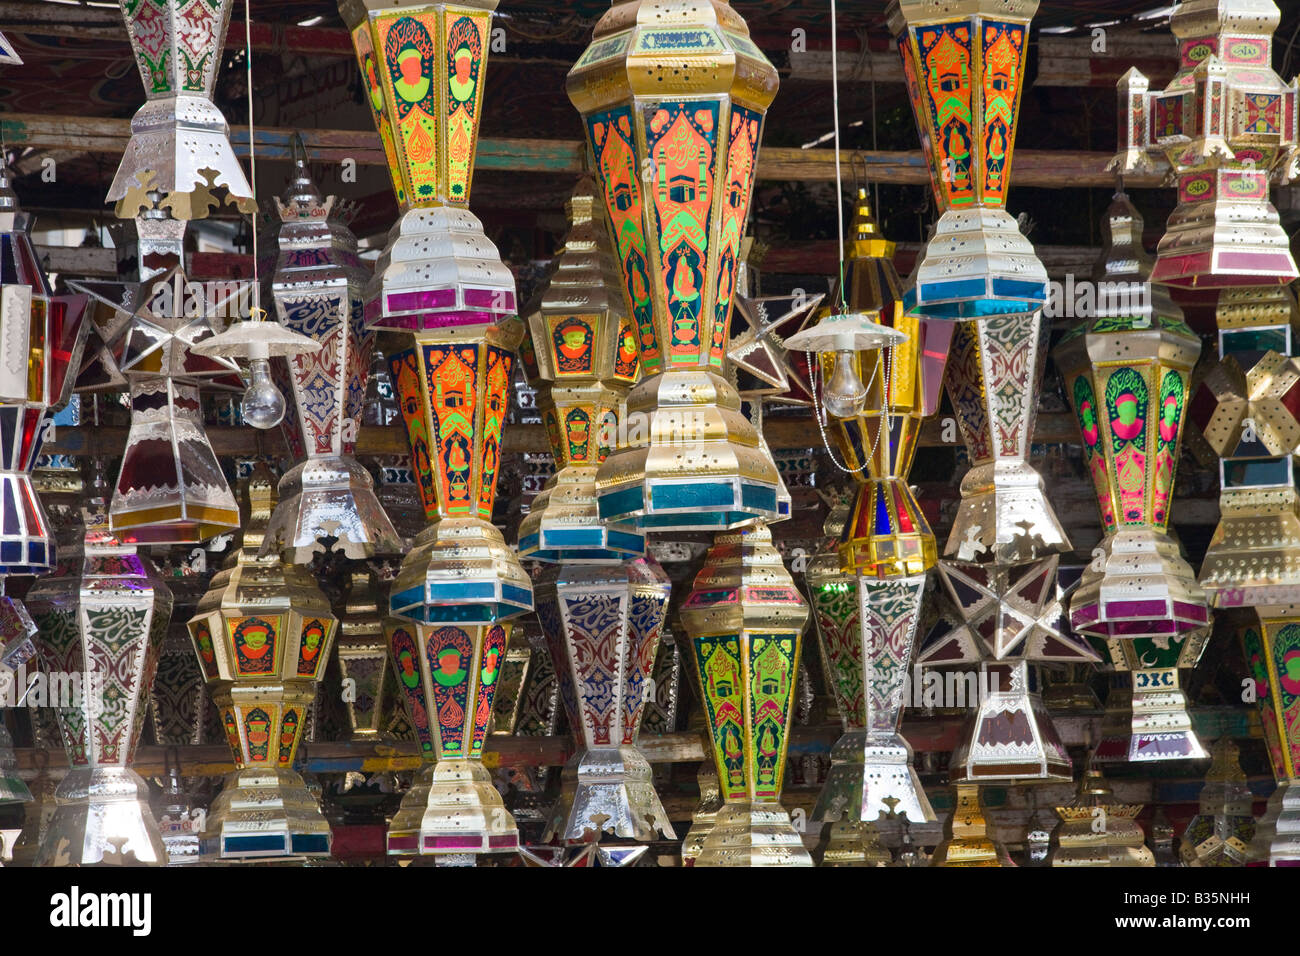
[
  {"x": 603, "y": 625},
  {"x": 447, "y": 676},
  {"x": 745, "y": 619},
  {"x": 178, "y": 701},
  {"x": 49, "y": 331},
  {"x": 684, "y": 100},
  {"x": 179, "y": 144},
  {"x": 964, "y": 66},
  {"x": 1225, "y": 127},
  {"x": 966, "y": 841},
  {"x": 584, "y": 348},
  {"x": 17, "y": 649},
  {"x": 1146, "y": 710},
  {"x": 171, "y": 489},
  {"x": 104, "y": 617},
  {"x": 1126, "y": 369},
  {"x": 1270, "y": 638},
  {"x": 263, "y": 633},
  {"x": 1221, "y": 834},
  {"x": 1095, "y": 830},
  {"x": 317, "y": 289},
  {"x": 363, "y": 658}
]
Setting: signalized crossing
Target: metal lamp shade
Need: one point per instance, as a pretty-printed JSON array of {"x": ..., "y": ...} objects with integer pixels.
[
  {"x": 964, "y": 66},
  {"x": 680, "y": 89},
  {"x": 179, "y": 142}
]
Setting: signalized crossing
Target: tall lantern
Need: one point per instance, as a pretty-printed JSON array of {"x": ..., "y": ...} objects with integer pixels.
[
  {"x": 964, "y": 66},
  {"x": 317, "y": 290},
  {"x": 1225, "y": 127},
  {"x": 363, "y": 657},
  {"x": 263, "y": 633},
  {"x": 673, "y": 98},
  {"x": 48, "y": 331},
  {"x": 179, "y": 144},
  {"x": 745, "y": 620},
  {"x": 867, "y": 601},
  {"x": 104, "y": 616}
]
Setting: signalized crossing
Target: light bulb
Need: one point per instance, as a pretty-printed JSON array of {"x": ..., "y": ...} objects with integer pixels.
[
  {"x": 845, "y": 395},
  {"x": 263, "y": 405}
]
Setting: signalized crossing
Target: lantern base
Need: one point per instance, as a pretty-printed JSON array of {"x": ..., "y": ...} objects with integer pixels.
[
  {"x": 978, "y": 263},
  {"x": 854, "y": 843},
  {"x": 1011, "y": 738},
  {"x": 706, "y": 814},
  {"x": 1004, "y": 516},
  {"x": 966, "y": 841},
  {"x": 608, "y": 790},
  {"x": 753, "y": 834},
  {"x": 1214, "y": 245},
  {"x": 461, "y": 572},
  {"x": 865, "y": 771},
  {"x": 439, "y": 270},
  {"x": 1145, "y": 589},
  {"x": 12, "y": 788},
  {"x": 688, "y": 459},
  {"x": 102, "y": 817},
  {"x": 1149, "y": 724},
  {"x": 171, "y": 140},
  {"x": 265, "y": 814},
  {"x": 1277, "y": 834},
  {"x": 1121, "y": 844},
  {"x": 28, "y": 546},
  {"x": 888, "y": 534},
  {"x": 452, "y": 808},
  {"x": 564, "y": 525},
  {"x": 330, "y": 497}
]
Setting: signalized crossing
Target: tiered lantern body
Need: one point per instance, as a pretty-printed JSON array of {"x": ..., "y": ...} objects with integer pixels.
[
  {"x": 171, "y": 489},
  {"x": 867, "y": 603},
  {"x": 40, "y": 339},
  {"x": 263, "y": 634},
  {"x": 964, "y": 65},
  {"x": 104, "y": 618},
  {"x": 1095, "y": 830},
  {"x": 585, "y": 355},
  {"x": 1221, "y": 834},
  {"x": 364, "y": 659},
  {"x": 1225, "y": 126},
  {"x": 1126, "y": 369},
  {"x": 603, "y": 624},
  {"x": 678, "y": 90},
  {"x": 1271, "y": 640},
  {"x": 424, "y": 65},
  {"x": 317, "y": 289},
  {"x": 745, "y": 620},
  {"x": 179, "y": 144}
]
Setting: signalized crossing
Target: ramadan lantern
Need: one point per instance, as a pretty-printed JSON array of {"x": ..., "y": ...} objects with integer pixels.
[
  {"x": 48, "y": 330},
  {"x": 363, "y": 657},
  {"x": 1126, "y": 369},
  {"x": 263, "y": 633},
  {"x": 317, "y": 289},
  {"x": 1271, "y": 641},
  {"x": 745, "y": 620},
  {"x": 966, "y": 840},
  {"x": 179, "y": 144},
  {"x": 672, "y": 97},
  {"x": 104, "y": 616},
  {"x": 964, "y": 66},
  {"x": 1221, "y": 834},
  {"x": 867, "y": 613},
  {"x": 1096, "y": 830},
  {"x": 1225, "y": 128}
]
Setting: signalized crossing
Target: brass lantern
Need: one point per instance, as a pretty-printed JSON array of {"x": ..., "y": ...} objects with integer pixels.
[
  {"x": 1126, "y": 369},
  {"x": 745, "y": 620},
  {"x": 263, "y": 633},
  {"x": 1097, "y": 830},
  {"x": 363, "y": 658},
  {"x": 317, "y": 290},
  {"x": 102, "y": 618},
  {"x": 1222, "y": 832},
  {"x": 964, "y": 66},
  {"x": 673, "y": 97},
  {"x": 1225, "y": 128},
  {"x": 179, "y": 144},
  {"x": 48, "y": 331}
]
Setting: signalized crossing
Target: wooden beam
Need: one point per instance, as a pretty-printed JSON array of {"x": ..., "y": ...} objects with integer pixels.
[{"x": 1042, "y": 168}]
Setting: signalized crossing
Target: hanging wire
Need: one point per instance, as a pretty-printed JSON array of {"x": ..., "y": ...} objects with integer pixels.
[{"x": 252, "y": 152}]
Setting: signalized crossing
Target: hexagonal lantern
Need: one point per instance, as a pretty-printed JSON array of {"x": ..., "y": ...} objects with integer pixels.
[
  {"x": 263, "y": 633},
  {"x": 1270, "y": 638}
]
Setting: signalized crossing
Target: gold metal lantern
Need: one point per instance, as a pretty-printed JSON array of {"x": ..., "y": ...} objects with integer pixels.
[
  {"x": 263, "y": 633},
  {"x": 1098, "y": 830}
]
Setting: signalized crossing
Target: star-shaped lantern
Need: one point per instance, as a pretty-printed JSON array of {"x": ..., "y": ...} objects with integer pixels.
[{"x": 757, "y": 351}]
